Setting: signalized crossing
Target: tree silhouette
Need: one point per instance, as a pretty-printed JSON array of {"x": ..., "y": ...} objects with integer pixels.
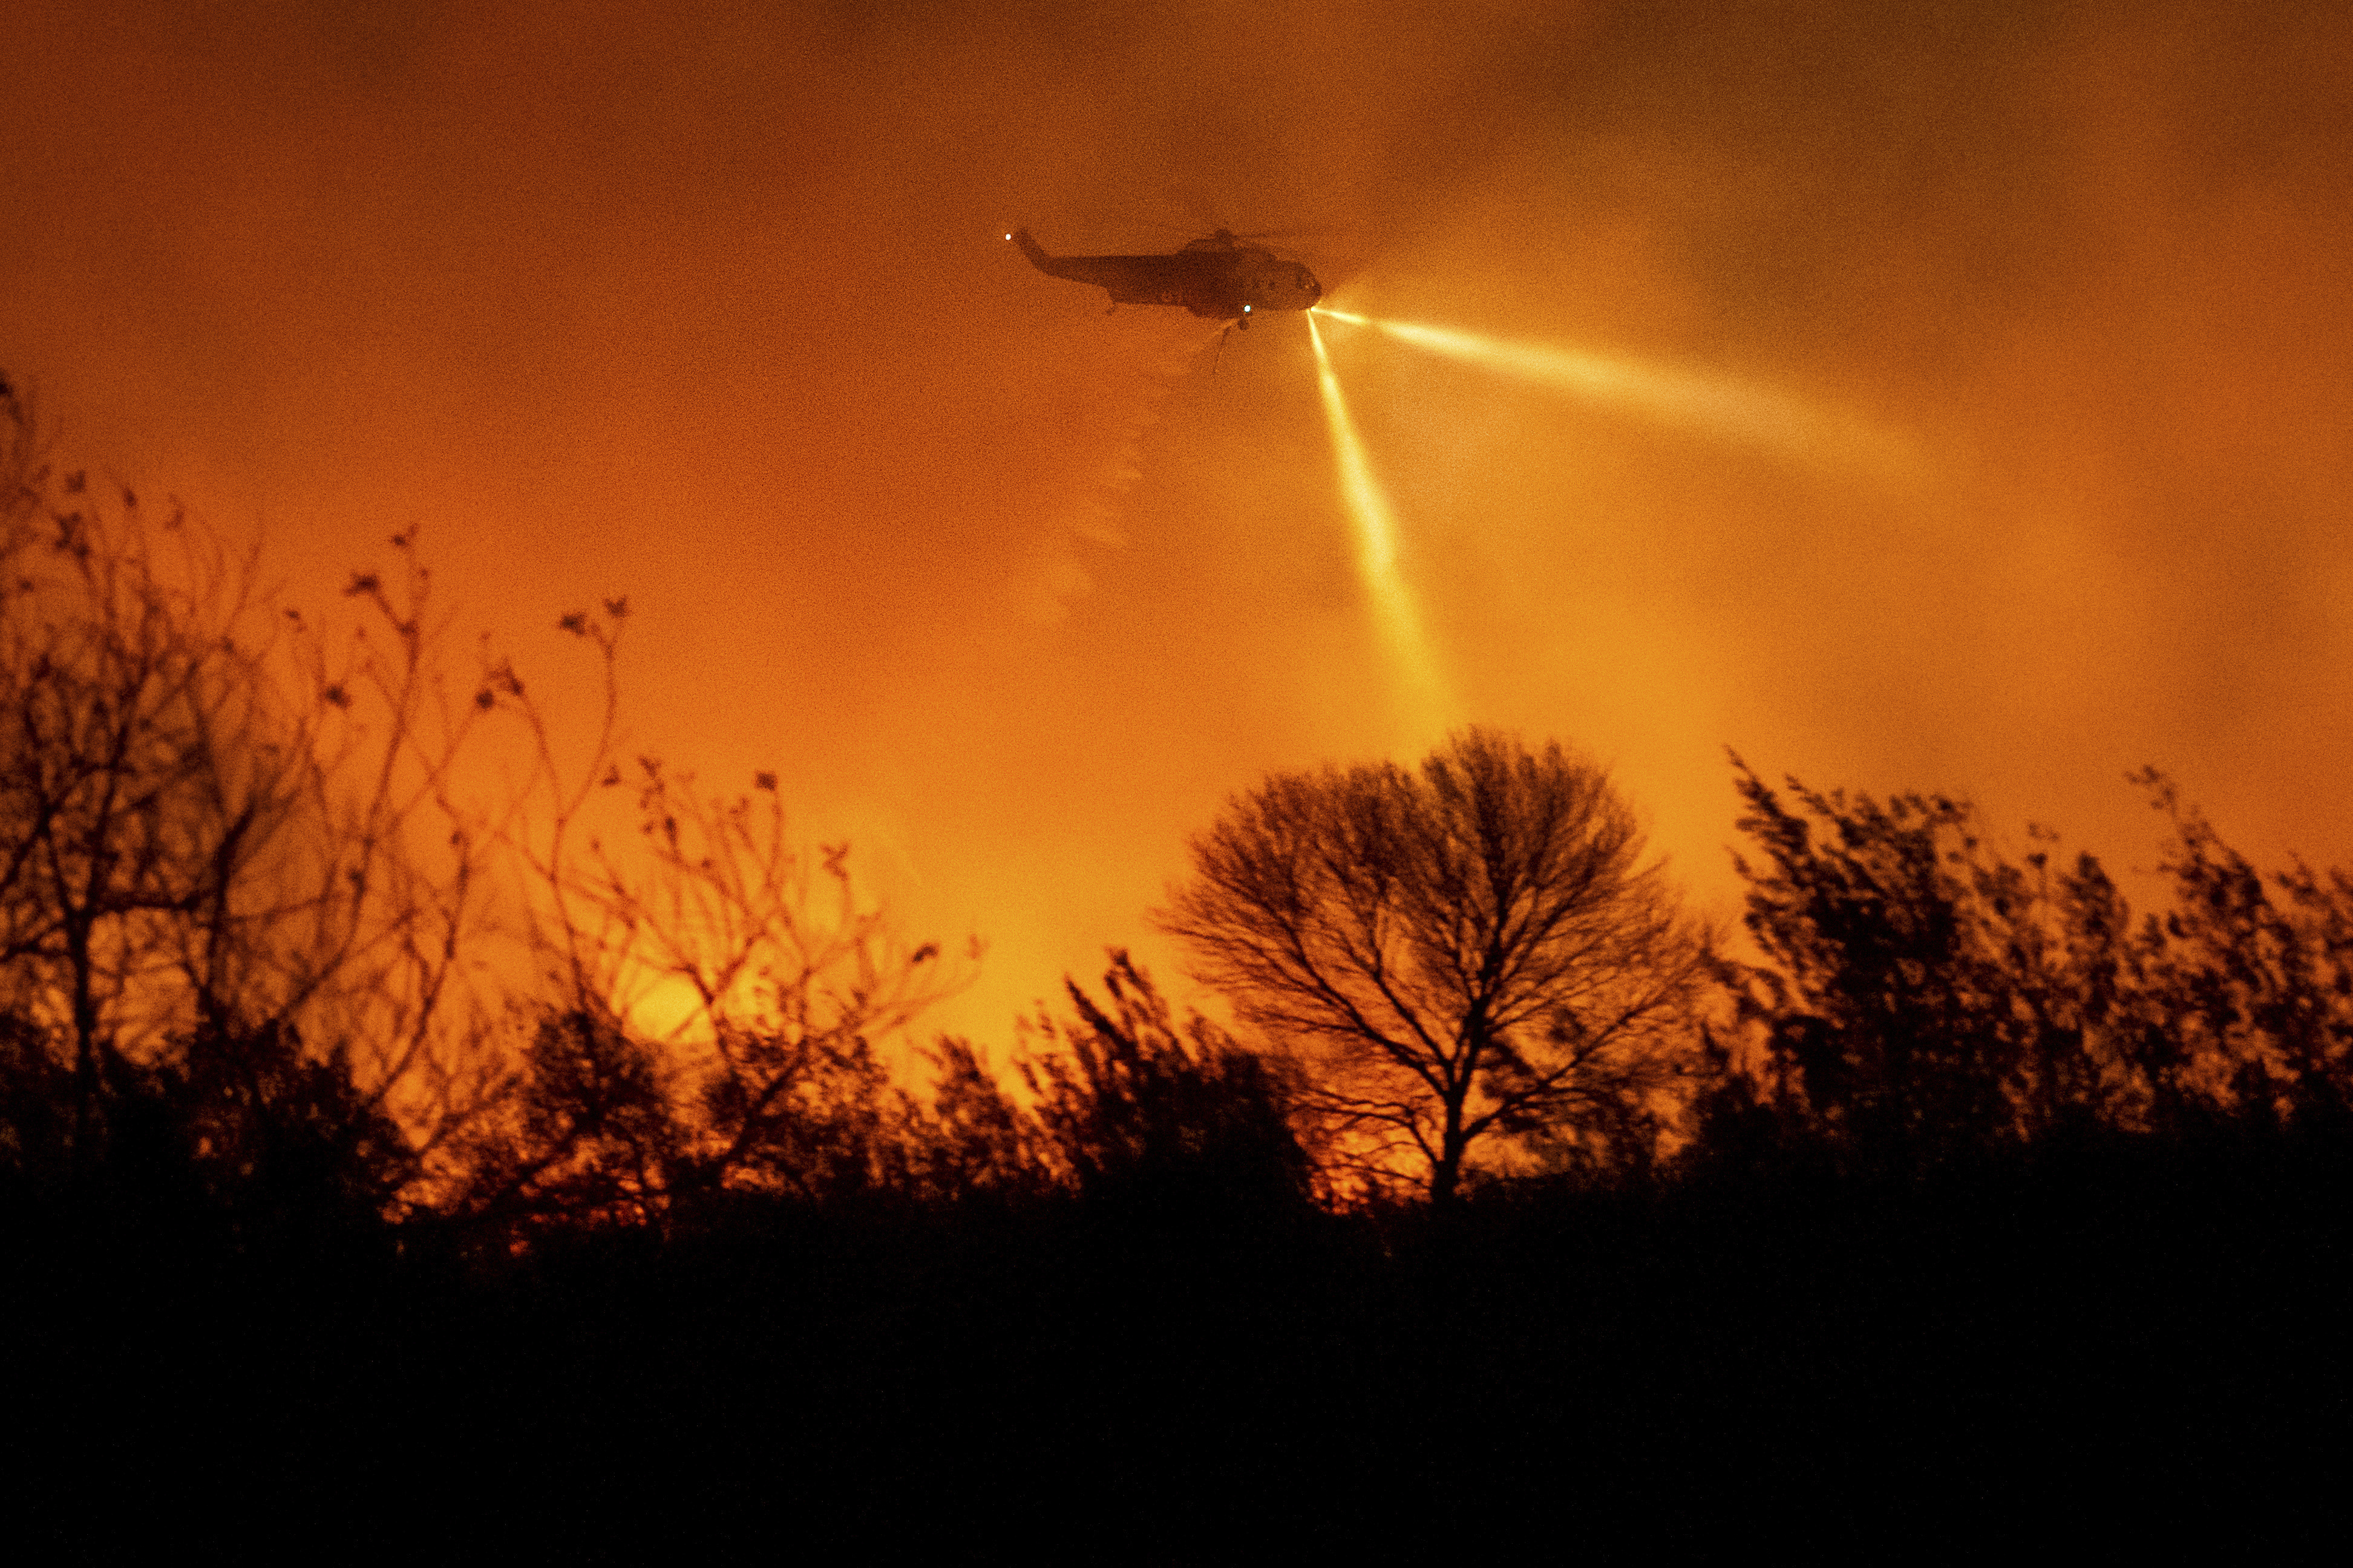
[
  {"x": 2252, "y": 989},
  {"x": 1885, "y": 999},
  {"x": 1469, "y": 955},
  {"x": 790, "y": 980},
  {"x": 588, "y": 1134},
  {"x": 1133, "y": 1106},
  {"x": 1922, "y": 1000},
  {"x": 217, "y": 833},
  {"x": 972, "y": 1140},
  {"x": 760, "y": 1071}
]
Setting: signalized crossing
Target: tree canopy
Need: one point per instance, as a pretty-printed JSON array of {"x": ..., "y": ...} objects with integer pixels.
[{"x": 1469, "y": 954}]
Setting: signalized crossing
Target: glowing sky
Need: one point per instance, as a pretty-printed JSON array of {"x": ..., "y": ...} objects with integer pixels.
[{"x": 710, "y": 305}]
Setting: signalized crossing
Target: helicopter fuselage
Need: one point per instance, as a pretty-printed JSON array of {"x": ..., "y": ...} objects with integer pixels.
[{"x": 1217, "y": 278}]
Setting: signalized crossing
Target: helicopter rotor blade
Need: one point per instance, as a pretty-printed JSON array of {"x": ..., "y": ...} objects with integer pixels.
[
  {"x": 1128, "y": 220},
  {"x": 1325, "y": 233}
]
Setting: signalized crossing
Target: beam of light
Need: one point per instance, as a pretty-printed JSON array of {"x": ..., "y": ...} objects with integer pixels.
[
  {"x": 1711, "y": 406},
  {"x": 1376, "y": 544}
]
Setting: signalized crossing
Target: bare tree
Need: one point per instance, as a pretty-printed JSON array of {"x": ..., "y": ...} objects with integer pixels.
[
  {"x": 1468, "y": 956},
  {"x": 794, "y": 983},
  {"x": 717, "y": 1000},
  {"x": 213, "y": 823},
  {"x": 229, "y": 840}
]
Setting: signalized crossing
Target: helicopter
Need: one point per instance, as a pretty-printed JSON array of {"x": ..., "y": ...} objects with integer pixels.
[{"x": 1218, "y": 277}]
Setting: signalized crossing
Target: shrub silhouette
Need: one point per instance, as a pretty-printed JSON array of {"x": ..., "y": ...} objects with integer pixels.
[
  {"x": 1136, "y": 1108},
  {"x": 1923, "y": 1001},
  {"x": 971, "y": 1141},
  {"x": 229, "y": 1143}
]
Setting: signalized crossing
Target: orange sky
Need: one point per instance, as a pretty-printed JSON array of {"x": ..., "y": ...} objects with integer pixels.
[{"x": 710, "y": 305}]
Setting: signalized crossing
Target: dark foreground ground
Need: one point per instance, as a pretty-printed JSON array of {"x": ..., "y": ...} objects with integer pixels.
[{"x": 2109, "y": 1348}]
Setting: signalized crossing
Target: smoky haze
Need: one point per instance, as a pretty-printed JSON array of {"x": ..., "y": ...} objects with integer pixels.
[{"x": 711, "y": 306}]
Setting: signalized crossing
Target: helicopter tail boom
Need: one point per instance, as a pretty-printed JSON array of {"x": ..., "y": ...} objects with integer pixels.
[
  {"x": 1128, "y": 279},
  {"x": 1035, "y": 252}
]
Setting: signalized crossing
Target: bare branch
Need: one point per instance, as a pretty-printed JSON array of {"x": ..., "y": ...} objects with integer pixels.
[{"x": 1472, "y": 952}]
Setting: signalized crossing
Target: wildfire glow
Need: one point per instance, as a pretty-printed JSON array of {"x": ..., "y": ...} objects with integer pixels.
[
  {"x": 1377, "y": 549},
  {"x": 1787, "y": 426}
]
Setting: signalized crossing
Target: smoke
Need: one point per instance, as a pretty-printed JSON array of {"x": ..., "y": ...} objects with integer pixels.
[{"x": 711, "y": 307}]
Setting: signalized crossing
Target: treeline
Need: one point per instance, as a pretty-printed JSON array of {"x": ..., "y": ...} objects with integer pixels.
[
  {"x": 331, "y": 1134},
  {"x": 1921, "y": 1002}
]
